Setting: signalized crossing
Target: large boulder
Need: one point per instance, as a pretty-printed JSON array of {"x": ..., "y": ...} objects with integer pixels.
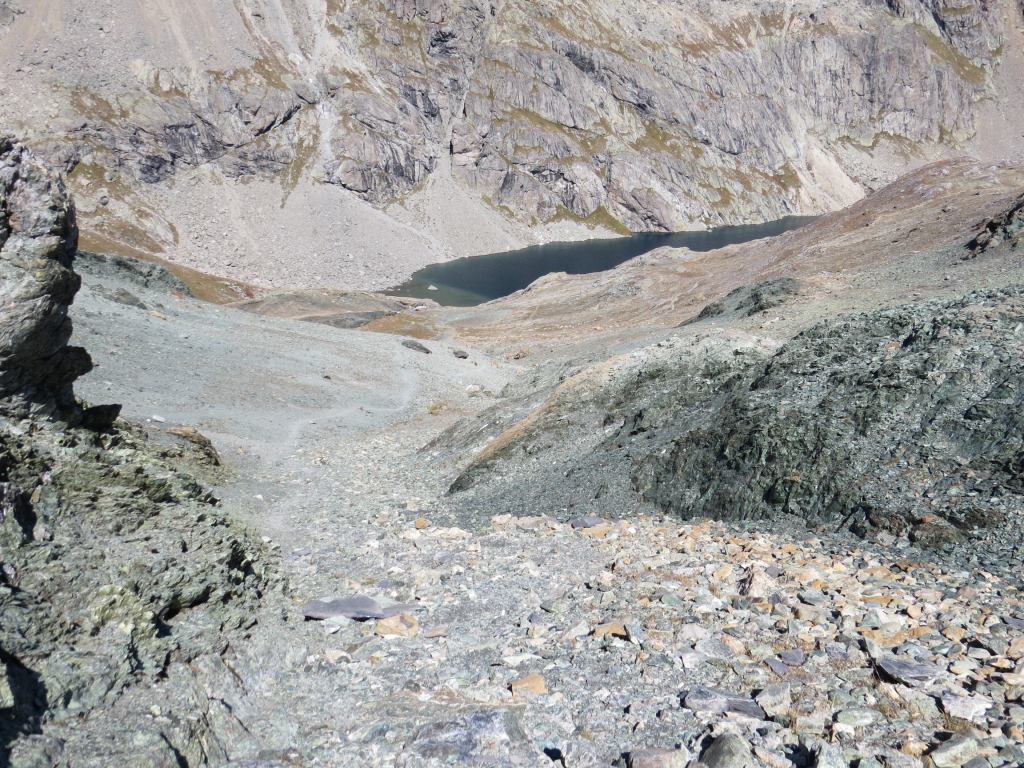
[{"x": 38, "y": 239}]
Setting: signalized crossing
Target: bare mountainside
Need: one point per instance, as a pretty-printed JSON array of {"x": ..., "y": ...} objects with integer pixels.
[
  {"x": 352, "y": 590},
  {"x": 445, "y": 631},
  {"x": 335, "y": 143}
]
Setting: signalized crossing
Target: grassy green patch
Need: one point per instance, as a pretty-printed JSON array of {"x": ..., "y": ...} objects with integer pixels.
[
  {"x": 96, "y": 107},
  {"x": 303, "y": 152},
  {"x": 601, "y": 218},
  {"x": 962, "y": 66}
]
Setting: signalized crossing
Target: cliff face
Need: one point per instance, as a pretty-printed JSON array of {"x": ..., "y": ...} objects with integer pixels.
[
  {"x": 89, "y": 604},
  {"x": 668, "y": 114},
  {"x": 647, "y": 114}
]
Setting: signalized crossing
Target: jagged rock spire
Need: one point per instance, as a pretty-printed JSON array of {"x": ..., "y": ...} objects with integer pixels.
[{"x": 38, "y": 240}]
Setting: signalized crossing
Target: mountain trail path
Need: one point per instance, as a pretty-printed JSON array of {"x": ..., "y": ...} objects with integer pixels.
[{"x": 520, "y": 641}]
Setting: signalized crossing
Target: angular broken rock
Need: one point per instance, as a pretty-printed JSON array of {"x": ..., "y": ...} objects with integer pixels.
[
  {"x": 659, "y": 758},
  {"x": 714, "y": 648},
  {"x": 955, "y": 752},
  {"x": 38, "y": 239},
  {"x": 966, "y": 707},
  {"x": 776, "y": 699},
  {"x": 415, "y": 346},
  {"x": 441, "y": 630},
  {"x": 401, "y": 625},
  {"x": 793, "y": 657},
  {"x": 701, "y": 699},
  {"x": 758, "y": 585},
  {"x": 533, "y": 683},
  {"x": 613, "y": 628},
  {"x": 356, "y": 607},
  {"x": 912, "y": 673},
  {"x": 730, "y": 750}
]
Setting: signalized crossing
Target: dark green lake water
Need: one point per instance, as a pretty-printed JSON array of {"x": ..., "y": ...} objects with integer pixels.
[{"x": 476, "y": 279}]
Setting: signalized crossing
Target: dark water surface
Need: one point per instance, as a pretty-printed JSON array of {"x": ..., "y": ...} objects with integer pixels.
[{"x": 476, "y": 279}]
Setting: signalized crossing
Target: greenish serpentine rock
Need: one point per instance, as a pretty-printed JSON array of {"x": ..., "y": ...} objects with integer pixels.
[
  {"x": 116, "y": 567},
  {"x": 905, "y": 422}
]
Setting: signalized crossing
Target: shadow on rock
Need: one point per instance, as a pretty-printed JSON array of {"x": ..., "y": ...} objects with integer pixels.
[{"x": 22, "y": 703}]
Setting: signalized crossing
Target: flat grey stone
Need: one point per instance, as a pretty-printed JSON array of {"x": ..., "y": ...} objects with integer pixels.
[
  {"x": 912, "y": 673},
  {"x": 355, "y": 607},
  {"x": 955, "y": 753},
  {"x": 702, "y": 699},
  {"x": 587, "y": 521},
  {"x": 857, "y": 717},
  {"x": 966, "y": 707},
  {"x": 775, "y": 699},
  {"x": 714, "y": 648},
  {"x": 659, "y": 758},
  {"x": 794, "y": 657},
  {"x": 812, "y": 596},
  {"x": 415, "y": 346},
  {"x": 672, "y": 601},
  {"x": 837, "y": 651}
]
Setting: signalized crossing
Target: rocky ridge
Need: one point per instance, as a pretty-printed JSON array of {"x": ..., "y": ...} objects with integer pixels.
[
  {"x": 887, "y": 422},
  {"x": 898, "y": 423},
  {"x": 116, "y": 567}
]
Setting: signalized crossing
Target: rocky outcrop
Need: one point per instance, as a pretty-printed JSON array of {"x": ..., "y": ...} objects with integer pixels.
[
  {"x": 116, "y": 567},
  {"x": 339, "y": 309},
  {"x": 230, "y": 118},
  {"x": 117, "y": 570},
  {"x": 639, "y": 115},
  {"x": 143, "y": 274},
  {"x": 37, "y": 246},
  {"x": 679, "y": 123},
  {"x": 395, "y": 125},
  {"x": 903, "y": 421},
  {"x": 748, "y": 300},
  {"x": 1007, "y": 226},
  {"x": 906, "y": 420}
]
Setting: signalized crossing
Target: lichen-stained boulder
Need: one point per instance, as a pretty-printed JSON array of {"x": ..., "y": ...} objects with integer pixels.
[{"x": 38, "y": 238}]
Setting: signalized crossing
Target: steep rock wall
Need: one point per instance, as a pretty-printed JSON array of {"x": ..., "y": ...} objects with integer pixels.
[{"x": 649, "y": 114}]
